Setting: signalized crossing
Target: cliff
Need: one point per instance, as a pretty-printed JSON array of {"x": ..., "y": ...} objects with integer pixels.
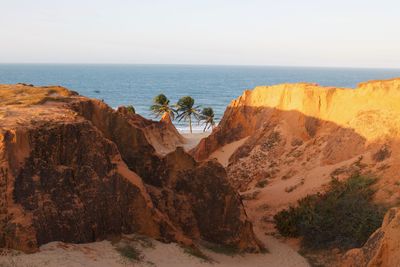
[
  {"x": 74, "y": 170},
  {"x": 281, "y": 143},
  {"x": 375, "y": 101},
  {"x": 300, "y": 135},
  {"x": 382, "y": 248}
]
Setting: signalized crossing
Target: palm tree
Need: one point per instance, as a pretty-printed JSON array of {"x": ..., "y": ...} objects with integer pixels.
[
  {"x": 161, "y": 106},
  {"x": 186, "y": 109},
  {"x": 207, "y": 115}
]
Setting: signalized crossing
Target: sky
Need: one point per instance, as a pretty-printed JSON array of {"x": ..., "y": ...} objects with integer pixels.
[{"x": 338, "y": 33}]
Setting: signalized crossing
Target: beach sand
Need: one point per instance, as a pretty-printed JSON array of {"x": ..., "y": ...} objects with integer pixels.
[
  {"x": 224, "y": 153},
  {"x": 192, "y": 139},
  {"x": 150, "y": 253}
]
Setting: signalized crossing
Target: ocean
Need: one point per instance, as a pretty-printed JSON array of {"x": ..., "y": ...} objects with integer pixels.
[{"x": 210, "y": 86}]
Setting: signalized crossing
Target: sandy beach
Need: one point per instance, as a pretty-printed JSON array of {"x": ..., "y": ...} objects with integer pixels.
[{"x": 192, "y": 139}]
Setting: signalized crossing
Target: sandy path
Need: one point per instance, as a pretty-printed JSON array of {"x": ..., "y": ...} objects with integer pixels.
[
  {"x": 193, "y": 139},
  {"x": 224, "y": 153},
  {"x": 104, "y": 254}
]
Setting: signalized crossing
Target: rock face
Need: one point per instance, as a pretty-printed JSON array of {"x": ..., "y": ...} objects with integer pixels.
[
  {"x": 162, "y": 135},
  {"x": 200, "y": 199},
  {"x": 300, "y": 135},
  {"x": 382, "y": 248},
  {"x": 74, "y": 170},
  {"x": 60, "y": 179},
  {"x": 351, "y": 108}
]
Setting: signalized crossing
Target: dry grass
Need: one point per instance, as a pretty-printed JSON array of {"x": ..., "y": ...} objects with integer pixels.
[
  {"x": 28, "y": 95},
  {"x": 197, "y": 253}
]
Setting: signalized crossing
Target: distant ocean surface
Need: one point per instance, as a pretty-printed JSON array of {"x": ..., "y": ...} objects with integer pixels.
[{"x": 213, "y": 86}]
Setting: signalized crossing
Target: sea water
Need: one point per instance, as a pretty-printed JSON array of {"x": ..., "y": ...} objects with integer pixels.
[{"x": 210, "y": 86}]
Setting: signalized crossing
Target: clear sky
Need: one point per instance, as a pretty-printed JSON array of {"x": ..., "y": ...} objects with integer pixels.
[{"x": 348, "y": 33}]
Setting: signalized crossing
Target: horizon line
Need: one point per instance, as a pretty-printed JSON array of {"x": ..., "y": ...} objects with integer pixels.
[{"x": 194, "y": 64}]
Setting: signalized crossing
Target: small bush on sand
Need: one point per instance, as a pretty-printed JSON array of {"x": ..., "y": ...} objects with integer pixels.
[
  {"x": 343, "y": 217},
  {"x": 262, "y": 183},
  {"x": 222, "y": 249},
  {"x": 130, "y": 252},
  {"x": 382, "y": 154},
  {"x": 195, "y": 252}
]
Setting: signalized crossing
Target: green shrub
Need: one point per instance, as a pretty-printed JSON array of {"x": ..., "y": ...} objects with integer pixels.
[
  {"x": 131, "y": 109},
  {"x": 195, "y": 252},
  {"x": 262, "y": 183},
  {"x": 228, "y": 250},
  {"x": 343, "y": 217},
  {"x": 130, "y": 252}
]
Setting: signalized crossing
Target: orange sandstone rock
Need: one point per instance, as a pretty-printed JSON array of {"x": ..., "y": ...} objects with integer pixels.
[
  {"x": 300, "y": 135},
  {"x": 74, "y": 170},
  {"x": 382, "y": 248},
  {"x": 371, "y": 110}
]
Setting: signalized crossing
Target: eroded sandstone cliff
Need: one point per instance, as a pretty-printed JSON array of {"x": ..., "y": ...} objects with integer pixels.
[
  {"x": 287, "y": 141},
  {"x": 72, "y": 169},
  {"x": 382, "y": 248},
  {"x": 300, "y": 135}
]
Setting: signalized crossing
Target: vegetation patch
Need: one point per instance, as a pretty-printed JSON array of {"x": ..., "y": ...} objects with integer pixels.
[
  {"x": 144, "y": 241},
  {"x": 130, "y": 252},
  {"x": 271, "y": 141},
  {"x": 131, "y": 109},
  {"x": 382, "y": 154},
  {"x": 222, "y": 249},
  {"x": 343, "y": 217},
  {"x": 195, "y": 252},
  {"x": 338, "y": 171},
  {"x": 262, "y": 183},
  {"x": 296, "y": 142},
  {"x": 294, "y": 187},
  {"x": 250, "y": 196},
  {"x": 311, "y": 125}
]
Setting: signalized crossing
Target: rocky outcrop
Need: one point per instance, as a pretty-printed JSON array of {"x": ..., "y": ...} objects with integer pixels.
[
  {"x": 162, "y": 174},
  {"x": 60, "y": 179},
  {"x": 382, "y": 248},
  {"x": 349, "y": 108},
  {"x": 303, "y": 134},
  {"x": 200, "y": 198},
  {"x": 74, "y": 170},
  {"x": 162, "y": 135},
  {"x": 69, "y": 187}
]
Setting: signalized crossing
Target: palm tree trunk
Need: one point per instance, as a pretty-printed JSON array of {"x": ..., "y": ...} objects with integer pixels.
[{"x": 190, "y": 123}]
